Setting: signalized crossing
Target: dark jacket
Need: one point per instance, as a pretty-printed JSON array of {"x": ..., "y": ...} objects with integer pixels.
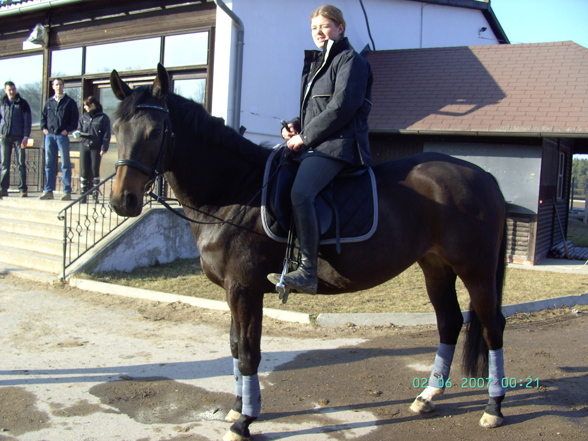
[
  {"x": 60, "y": 116},
  {"x": 15, "y": 117},
  {"x": 95, "y": 129},
  {"x": 335, "y": 103}
]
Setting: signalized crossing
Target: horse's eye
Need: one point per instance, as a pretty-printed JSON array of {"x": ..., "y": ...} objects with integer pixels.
[{"x": 155, "y": 133}]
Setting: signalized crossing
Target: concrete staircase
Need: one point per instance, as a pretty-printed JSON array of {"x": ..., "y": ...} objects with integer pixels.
[{"x": 31, "y": 236}]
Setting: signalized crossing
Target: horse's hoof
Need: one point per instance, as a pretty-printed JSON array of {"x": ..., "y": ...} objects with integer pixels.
[
  {"x": 232, "y": 416},
  {"x": 424, "y": 402},
  {"x": 490, "y": 421},
  {"x": 232, "y": 436},
  {"x": 420, "y": 405}
]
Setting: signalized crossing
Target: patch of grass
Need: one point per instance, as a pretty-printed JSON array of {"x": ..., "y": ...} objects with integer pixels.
[
  {"x": 578, "y": 232},
  {"x": 405, "y": 293}
]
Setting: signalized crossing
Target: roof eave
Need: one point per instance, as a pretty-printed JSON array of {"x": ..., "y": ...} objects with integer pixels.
[
  {"x": 495, "y": 25},
  {"x": 486, "y": 133},
  {"x": 483, "y": 6},
  {"x": 23, "y": 8}
]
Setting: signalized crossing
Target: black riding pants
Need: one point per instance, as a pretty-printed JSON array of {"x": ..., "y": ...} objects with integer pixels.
[
  {"x": 90, "y": 165},
  {"x": 314, "y": 174}
]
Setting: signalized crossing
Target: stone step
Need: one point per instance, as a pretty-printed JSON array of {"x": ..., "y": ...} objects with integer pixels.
[
  {"x": 35, "y": 260},
  {"x": 31, "y": 233},
  {"x": 33, "y": 202},
  {"x": 20, "y": 213},
  {"x": 47, "y": 245},
  {"x": 31, "y": 229}
]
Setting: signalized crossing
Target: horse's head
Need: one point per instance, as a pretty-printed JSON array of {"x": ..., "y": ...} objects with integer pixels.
[{"x": 142, "y": 133}]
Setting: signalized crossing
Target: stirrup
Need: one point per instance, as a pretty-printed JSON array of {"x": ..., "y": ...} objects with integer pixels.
[
  {"x": 284, "y": 290},
  {"x": 290, "y": 264}
]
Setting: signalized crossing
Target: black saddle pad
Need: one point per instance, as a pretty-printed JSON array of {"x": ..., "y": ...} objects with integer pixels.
[{"x": 347, "y": 209}]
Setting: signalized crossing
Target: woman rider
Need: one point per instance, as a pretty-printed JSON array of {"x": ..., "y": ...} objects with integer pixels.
[{"x": 330, "y": 134}]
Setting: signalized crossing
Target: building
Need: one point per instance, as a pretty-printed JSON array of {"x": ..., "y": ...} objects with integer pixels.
[
  {"x": 519, "y": 111},
  {"x": 242, "y": 60}
]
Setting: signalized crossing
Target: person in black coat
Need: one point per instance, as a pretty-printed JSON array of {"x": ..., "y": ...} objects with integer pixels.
[
  {"x": 94, "y": 129},
  {"x": 59, "y": 119},
  {"x": 331, "y": 133},
  {"x": 15, "y": 129}
]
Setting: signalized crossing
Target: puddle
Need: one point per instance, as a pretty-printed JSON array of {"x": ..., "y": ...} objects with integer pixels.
[{"x": 153, "y": 400}]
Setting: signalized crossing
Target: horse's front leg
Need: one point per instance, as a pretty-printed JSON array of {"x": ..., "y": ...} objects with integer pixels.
[
  {"x": 246, "y": 324},
  {"x": 235, "y": 412}
]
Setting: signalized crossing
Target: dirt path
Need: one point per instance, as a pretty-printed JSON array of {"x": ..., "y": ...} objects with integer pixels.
[{"x": 83, "y": 366}]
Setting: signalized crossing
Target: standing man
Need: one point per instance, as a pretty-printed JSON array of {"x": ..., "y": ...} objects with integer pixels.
[
  {"x": 15, "y": 129},
  {"x": 59, "y": 118}
]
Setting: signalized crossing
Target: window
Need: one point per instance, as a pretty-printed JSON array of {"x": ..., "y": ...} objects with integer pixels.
[
  {"x": 26, "y": 73},
  {"x": 108, "y": 100},
  {"x": 66, "y": 62},
  {"x": 185, "y": 50},
  {"x": 126, "y": 55},
  {"x": 75, "y": 93},
  {"x": 194, "y": 89}
]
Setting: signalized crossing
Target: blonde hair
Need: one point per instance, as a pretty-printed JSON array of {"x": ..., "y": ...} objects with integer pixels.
[{"x": 332, "y": 13}]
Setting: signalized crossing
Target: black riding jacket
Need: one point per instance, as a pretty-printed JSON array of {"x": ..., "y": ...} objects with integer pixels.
[
  {"x": 15, "y": 117},
  {"x": 60, "y": 116},
  {"x": 335, "y": 102},
  {"x": 95, "y": 128}
]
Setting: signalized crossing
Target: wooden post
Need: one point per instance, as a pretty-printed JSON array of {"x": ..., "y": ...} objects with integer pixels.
[{"x": 586, "y": 204}]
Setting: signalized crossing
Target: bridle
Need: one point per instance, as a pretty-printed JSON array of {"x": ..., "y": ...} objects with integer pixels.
[{"x": 152, "y": 172}]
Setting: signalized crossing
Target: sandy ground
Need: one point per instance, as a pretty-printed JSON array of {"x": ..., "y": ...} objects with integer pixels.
[{"x": 83, "y": 366}]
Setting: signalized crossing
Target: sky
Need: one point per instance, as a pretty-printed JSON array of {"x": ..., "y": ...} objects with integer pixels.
[{"x": 543, "y": 21}]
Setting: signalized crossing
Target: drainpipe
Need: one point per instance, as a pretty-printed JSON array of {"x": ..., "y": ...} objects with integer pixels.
[
  {"x": 237, "y": 79},
  {"x": 422, "y": 21}
]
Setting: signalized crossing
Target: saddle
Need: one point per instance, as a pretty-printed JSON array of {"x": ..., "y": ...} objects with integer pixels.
[{"x": 347, "y": 209}]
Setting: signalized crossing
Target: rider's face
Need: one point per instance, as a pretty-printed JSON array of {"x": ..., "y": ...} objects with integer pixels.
[{"x": 324, "y": 29}]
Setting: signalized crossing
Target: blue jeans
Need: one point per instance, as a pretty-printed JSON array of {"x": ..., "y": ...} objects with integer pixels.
[
  {"x": 52, "y": 143},
  {"x": 21, "y": 159}
]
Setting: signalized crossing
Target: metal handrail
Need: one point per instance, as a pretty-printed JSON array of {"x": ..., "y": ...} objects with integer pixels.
[{"x": 88, "y": 220}]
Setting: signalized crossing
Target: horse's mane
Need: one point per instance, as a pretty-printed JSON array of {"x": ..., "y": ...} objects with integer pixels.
[{"x": 193, "y": 118}]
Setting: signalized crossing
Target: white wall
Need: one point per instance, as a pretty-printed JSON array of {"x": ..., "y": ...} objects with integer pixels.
[
  {"x": 278, "y": 32},
  {"x": 157, "y": 237}
]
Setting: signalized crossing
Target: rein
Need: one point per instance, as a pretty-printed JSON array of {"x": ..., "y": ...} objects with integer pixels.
[
  {"x": 154, "y": 172},
  {"x": 219, "y": 221}
]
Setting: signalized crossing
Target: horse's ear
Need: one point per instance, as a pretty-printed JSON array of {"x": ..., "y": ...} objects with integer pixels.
[
  {"x": 119, "y": 87},
  {"x": 161, "y": 82}
]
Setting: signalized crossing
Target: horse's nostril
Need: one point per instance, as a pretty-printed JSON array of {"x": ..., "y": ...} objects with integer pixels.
[{"x": 130, "y": 201}]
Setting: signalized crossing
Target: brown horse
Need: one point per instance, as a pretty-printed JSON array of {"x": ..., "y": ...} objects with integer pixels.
[{"x": 446, "y": 214}]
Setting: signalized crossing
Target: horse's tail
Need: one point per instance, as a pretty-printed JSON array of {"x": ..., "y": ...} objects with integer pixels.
[{"x": 475, "y": 353}]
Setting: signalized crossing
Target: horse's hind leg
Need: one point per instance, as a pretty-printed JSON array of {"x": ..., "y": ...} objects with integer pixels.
[
  {"x": 440, "y": 281},
  {"x": 485, "y": 341}
]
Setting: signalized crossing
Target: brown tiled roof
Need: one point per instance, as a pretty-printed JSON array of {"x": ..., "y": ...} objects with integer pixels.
[{"x": 533, "y": 89}]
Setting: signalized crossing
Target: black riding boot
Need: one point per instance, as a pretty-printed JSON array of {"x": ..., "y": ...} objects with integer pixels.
[{"x": 304, "y": 279}]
